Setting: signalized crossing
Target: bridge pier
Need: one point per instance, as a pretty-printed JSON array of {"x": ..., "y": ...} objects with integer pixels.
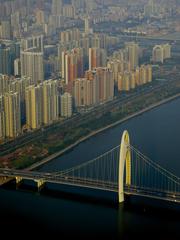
[
  {"x": 18, "y": 181},
  {"x": 4, "y": 180},
  {"x": 40, "y": 184}
]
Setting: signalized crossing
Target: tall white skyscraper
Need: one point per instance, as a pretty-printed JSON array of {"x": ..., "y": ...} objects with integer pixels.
[
  {"x": 32, "y": 65},
  {"x": 66, "y": 105},
  {"x": 158, "y": 54},
  {"x": 17, "y": 67},
  {"x": 50, "y": 101}
]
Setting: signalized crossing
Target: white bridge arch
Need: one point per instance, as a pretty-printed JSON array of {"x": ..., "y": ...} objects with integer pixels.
[{"x": 124, "y": 161}]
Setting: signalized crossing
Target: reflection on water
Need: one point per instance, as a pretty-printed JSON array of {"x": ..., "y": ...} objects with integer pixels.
[{"x": 42, "y": 214}]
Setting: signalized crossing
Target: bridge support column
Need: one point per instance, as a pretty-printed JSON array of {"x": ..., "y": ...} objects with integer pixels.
[
  {"x": 124, "y": 159},
  {"x": 4, "y": 180},
  {"x": 18, "y": 181},
  {"x": 40, "y": 184}
]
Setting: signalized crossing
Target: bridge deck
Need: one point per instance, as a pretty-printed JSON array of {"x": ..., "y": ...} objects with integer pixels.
[{"x": 91, "y": 184}]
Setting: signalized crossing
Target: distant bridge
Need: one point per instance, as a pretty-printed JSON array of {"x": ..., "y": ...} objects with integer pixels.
[{"x": 122, "y": 169}]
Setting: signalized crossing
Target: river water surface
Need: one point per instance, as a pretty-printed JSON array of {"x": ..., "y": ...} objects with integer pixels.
[{"x": 155, "y": 133}]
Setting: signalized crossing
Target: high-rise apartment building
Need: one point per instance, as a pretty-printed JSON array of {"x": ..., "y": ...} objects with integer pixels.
[
  {"x": 158, "y": 54},
  {"x": 72, "y": 65},
  {"x": 96, "y": 87},
  {"x": 161, "y": 52},
  {"x": 145, "y": 74},
  {"x": 124, "y": 81},
  {"x": 2, "y": 119},
  {"x": 32, "y": 65},
  {"x": 5, "y": 60},
  {"x": 70, "y": 35},
  {"x": 40, "y": 17},
  {"x": 128, "y": 80},
  {"x": 66, "y": 105},
  {"x": 13, "y": 84},
  {"x": 100, "y": 41},
  {"x": 12, "y": 114},
  {"x": 4, "y": 83},
  {"x": 86, "y": 25},
  {"x": 15, "y": 25},
  {"x": 57, "y": 6},
  {"x": 34, "y": 42},
  {"x": 95, "y": 42},
  {"x": 17, "y": 67},
  {"x": 167, "y": 50},
  {"x": 68, "y": 11},
  {"x": 55, "y": 21},
  {"x": 50, "y": 101},
  {"x": 149, "y": 75},
  {"x": 85, "y": 44},
  {"x": 150, "y": 8},
  {"x": 97, "y": 58},
  {"x": 34, "y": 111},
  {"x": 106, "y": 83},
  {"x": 83, "y": 92},
  {"x": 117, "y": 67},
  {"x": 5, "y": 30},
  {"x": 133, "y": 54},
  {"x": 40, "y": 4},
  {"x": 19, "y": 85}
]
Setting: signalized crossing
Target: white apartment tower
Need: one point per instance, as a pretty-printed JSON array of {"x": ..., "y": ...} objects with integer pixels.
[
  {"x": 32, "y": 65},
  {"x": 66, "y": 105},
  {"x": 50, "y": 101}
]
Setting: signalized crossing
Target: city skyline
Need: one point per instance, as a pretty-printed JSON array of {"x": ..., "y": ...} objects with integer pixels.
[{"x": 89, "y": 118}]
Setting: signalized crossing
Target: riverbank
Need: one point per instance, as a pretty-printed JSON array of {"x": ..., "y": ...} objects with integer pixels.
[
  {"x": 93, "y": 133},
  {"x": 50, "y": 144}
]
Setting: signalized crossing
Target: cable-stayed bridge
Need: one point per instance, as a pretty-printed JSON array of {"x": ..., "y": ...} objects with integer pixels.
[{"x": 123, "y": 169}]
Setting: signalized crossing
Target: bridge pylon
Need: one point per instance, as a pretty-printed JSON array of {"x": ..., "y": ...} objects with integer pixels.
[{"x": 124, "y": 160}]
